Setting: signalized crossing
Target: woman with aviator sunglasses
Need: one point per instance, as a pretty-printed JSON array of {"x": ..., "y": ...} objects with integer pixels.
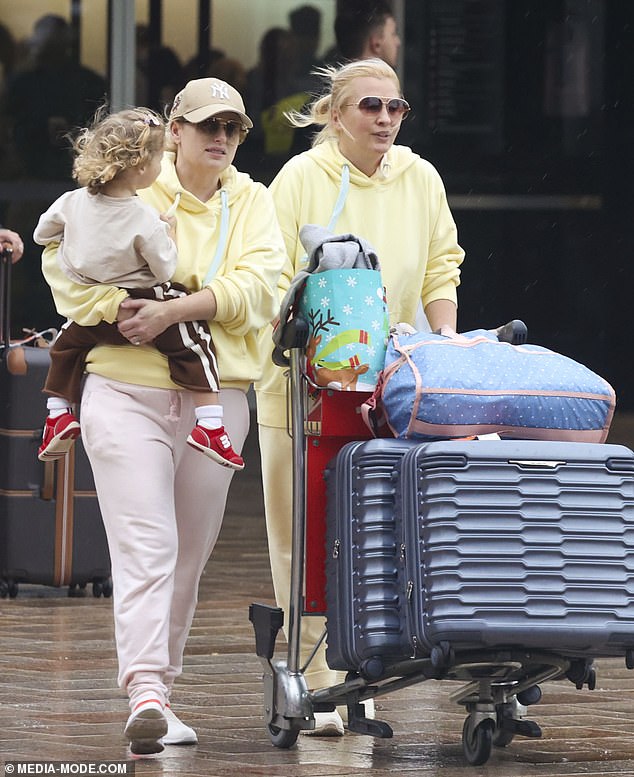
[
  {"x": 353, "y": 180},
  {"x": 161, "y": 504}
]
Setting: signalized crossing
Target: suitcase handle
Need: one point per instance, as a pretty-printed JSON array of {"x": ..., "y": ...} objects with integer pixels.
[
  {"x": 48, "y": 483},
  {"x": 6, "y": 258}
]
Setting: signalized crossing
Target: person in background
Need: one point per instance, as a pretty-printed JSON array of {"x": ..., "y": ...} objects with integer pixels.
[
  {"x": 159, "y": 72},
  {"x": 396, "y": 201},
  {"x": 274, "y": 86},
  {"x": 8, "y": 53},
  {"x": 161, "y": 504},
  {"x": 11, "y": 240},
  {"x": 215, "y": 63},
  {"x": 48, "y": 96},
  {"x": 365, "y": 29},
  {"x": 305, "y": 26}
]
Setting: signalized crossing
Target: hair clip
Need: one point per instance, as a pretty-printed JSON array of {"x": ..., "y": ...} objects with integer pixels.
[{"x": 151, "y": 121}]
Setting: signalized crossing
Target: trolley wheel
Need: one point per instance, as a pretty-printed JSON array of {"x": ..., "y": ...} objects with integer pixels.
[
  {"x": 501, "y": 737},
  {"x": 283, "y": 738},
  {"x": 592, "y": 679},
  {"x": 477, "y": 744},
  {"x": 13, "y": 589},
  {"x": 107, "y": 588}
]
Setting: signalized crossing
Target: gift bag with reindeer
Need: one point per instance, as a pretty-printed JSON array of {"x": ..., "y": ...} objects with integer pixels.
[
  {"x": 339, "y": 293},
  {"x": 348, "y": 328}
]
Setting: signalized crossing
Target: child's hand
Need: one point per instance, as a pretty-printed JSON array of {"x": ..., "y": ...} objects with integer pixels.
[
  {"x": 124, "y": 313},
  {"x": 171, "y": 222}
]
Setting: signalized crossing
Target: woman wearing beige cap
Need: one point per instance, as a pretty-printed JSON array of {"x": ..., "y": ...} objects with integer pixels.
[{"x": 161, "y": 506}]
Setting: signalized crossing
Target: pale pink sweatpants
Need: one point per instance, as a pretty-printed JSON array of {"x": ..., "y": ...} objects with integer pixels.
[{"x": 162, "y": 504}]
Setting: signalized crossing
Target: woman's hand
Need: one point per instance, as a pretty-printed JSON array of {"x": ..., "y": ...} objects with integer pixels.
[
  {"x": 141, "y": 320},
  {"x": 11, "y": 239}
]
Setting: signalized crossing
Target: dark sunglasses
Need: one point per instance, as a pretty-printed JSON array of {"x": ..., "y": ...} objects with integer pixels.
[
  {"x": 234, "y": 130},
  {"x": 372, "y": 106}
]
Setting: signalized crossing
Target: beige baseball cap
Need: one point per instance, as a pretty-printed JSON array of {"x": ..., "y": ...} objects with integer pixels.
[{"x": 206, "y": 97}]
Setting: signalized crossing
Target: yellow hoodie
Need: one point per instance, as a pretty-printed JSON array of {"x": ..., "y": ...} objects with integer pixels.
[
  {"x": 245, "y": 285},
  {"x": 401, "y": 211}
]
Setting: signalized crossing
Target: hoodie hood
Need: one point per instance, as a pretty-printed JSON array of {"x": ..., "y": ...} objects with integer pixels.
[
  {"x": 393, "y": 165},
  {"x": 170, "y": 188}
]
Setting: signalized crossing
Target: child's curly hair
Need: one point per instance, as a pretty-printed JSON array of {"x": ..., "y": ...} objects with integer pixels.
[{"x": 116, "y": 142}]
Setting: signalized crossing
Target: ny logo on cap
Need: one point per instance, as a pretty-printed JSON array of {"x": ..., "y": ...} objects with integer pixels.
[{"x": 220, "y": 91}]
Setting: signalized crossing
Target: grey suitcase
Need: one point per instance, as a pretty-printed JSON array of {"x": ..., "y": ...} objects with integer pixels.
[
  {"x": 519, "y": 544},
  {"x": 364, "y": 607},
  {"x": 51, "y": 532}
]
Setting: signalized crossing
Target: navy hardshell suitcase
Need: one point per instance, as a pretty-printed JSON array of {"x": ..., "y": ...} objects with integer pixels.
[
  {"x": 364, "y": 605},
  {"x": 51, "y": 532},
  {"x": 519, "y": 544}
]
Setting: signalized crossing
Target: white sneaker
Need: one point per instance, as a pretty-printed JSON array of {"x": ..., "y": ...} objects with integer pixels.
[
  {"x": 177, "y": 732},
  {"x": 145, "y": 727},
  {"x": 327, "y": 724}
]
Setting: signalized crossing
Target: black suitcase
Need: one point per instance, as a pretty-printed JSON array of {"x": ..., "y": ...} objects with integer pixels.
[
  {"x": 51, "y": 532},
  {"x": 519, "y": 544},
  {"x": 364, "y": 604}
]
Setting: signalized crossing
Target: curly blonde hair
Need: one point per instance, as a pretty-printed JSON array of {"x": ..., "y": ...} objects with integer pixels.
[
  {"x": 341, "y": 81},
  {"x": 116, "y": 142}
]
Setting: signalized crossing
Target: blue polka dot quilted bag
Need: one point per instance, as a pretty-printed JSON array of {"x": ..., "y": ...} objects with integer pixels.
[{"x": 437, "y": 386}]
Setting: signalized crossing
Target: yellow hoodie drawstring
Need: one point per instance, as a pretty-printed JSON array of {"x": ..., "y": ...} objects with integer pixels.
[
  {"x": 344, "y": 188},
  {"x": 172, "y": 208},
  {"x": 222, "y": 239},
  {"x": 341, "y": 198},
  {"x": 224, "y": 230}
]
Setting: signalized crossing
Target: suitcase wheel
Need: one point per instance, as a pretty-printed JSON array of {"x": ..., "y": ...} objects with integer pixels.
[
  {"x": 102, "y": 587},
  {"x": 477, "y": 740},
  {"x": 8, "y": 588}
]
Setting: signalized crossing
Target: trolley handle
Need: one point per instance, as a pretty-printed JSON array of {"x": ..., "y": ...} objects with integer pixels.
[
  {"x": 515, "y": 332},
  {"x": 294, "y": 335}
]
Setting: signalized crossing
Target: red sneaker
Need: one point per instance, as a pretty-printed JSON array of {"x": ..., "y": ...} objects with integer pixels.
[
  {"x": 59, "y": 435},
  {"x": 216, "y": 444}
]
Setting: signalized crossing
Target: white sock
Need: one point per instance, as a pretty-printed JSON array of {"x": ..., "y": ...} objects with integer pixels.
[
  {"x": 57, "y": 406},
  {"x": 209, "y": 416}
]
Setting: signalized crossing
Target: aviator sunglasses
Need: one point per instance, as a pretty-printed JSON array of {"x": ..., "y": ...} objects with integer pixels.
[
  {"x": 371, "y": 106},
  {"x": 234, "y": 130}
]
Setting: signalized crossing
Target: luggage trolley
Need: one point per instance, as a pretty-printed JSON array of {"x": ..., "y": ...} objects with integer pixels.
[{"x": 498, "y": 684}]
